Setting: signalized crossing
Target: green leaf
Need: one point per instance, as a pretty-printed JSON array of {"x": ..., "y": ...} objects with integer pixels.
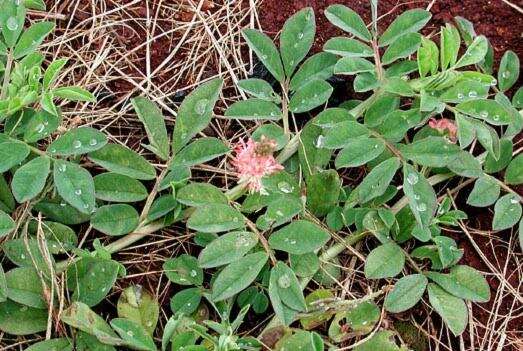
[
  {"x": 310, "y": 95},
  {"x": 32, "y": 38},
  {"x": 342, "y": 135},
  {"x": 347, "y": 47},
  {"x": 198, "y": 194},
  {"x": 428, "y": 57},
  {"x": 226, "y": 249},
  {"x": 17, "y": 319},
  {"x": 514, "y": 172},
  {"x": 78, "y": 141},
  {"x": 377, "y": 181},
  {"x": 195, "y": 112},
  {"x": 238, "y": 275},
  {"x": 353, "y": 65},
  {"x": 508, "y": 72},
  {"x": 316, "y": 319},
  {"x": 299, "y": 237},
  {"x": 75, "y": 185},
  {"x": 59, "y": 344},
  {"x": 396, "y": 85},
  {"x": 199, "y": 151},
  {"x": 348, "y": 20},
  {"x": 162, "y": 206},
  {"x": 12, "y": 20},
  {"x": 319, "y": 66},
  {"x": 214, "y": 218},
  {"x": 323, "y": 191},
  {"x": 272, "y": 132},
  {"x": 485, "y": 192},
  {"x": 489, "y": 110},
  {"x": 25, "y": 287},
  {"x": 29, "y": 180},
  {"x": 296, "y": 38},
  {"x": 475, "y": 52},
  {"x": 3, "y": 285},
  {"x": 12, "y": 153},
  {"x": 60, "y": 238},
  {"x": 452, "y": 310},
  {"x": 80, "y": 316},
  {"x": 115, "y": 220},
  {"x": 431, "y": 151},
  {"x": 464, "y": 282},
  {"x": 466, "y": 165},
  {"x": 385, "y": 261},
  {"x": 491, "y": 165},
  {"x": 186, "y": 301},
  {"x": 305, "y": 265},
  {"x": 421, "y": 195},
  {"x": 365, "y": 81},
  {"x": 382, "y": 341},
  {"x": 115, "y": 187},
  {"x": 287, "y": 287},
  {"x": 183, "y": 270},
  {"x": 91, "y": 279},
  {"x": 153, "y": 121},
  {"x": 507, "y": 212},
  {"x": 122, "y": 160},
  {"x": 7, "y": 201},
  {"x": 406, "y": 293},
  {"x": 74, "y": 94},
  {"x": 517, "y": 98},
  {"x": 465, "y": 90},
  {"x": 405, "y": 46},
  {"x": 52, "y": 71},
  {"x": 260, "y": 89},
  {"x": 409, "y": 21},
  {"x": 266, "y": 51},
  {"x": 450, "y": 43},
  {"x": 133, "y": 334},
  {"x": 40, "y": 126},
  {"x": 57, "y": 209},
  {"x": 253, "y": 109},
  {"x": 359, "y": 151}
]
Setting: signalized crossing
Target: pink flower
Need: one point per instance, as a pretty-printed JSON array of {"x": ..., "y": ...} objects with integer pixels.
[
  {"x": 443, "y": 125},
  {"x": 254, "y": 160}
]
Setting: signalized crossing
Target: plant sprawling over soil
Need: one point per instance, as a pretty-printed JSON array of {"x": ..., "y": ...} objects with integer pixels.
[{"x": 434, "y": 120}]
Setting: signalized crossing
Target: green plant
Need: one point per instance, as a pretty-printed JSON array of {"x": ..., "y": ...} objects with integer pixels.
[{"x": 289, "y": 217}]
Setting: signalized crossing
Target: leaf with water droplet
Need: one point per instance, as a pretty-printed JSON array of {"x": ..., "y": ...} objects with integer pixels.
[
  {"x": 238, "y": 275},
  {"x": 421, "y": 195},
  {"x": 186, "y": 301},
  {"x": 296, "y": 38},
  {"x": 199, "y": 151},
  {"x": 452, "y": 310},
  {"x": 348, "y": 20},
  {"x": 91, "y": 279},
  {"x": 475, "y": 53},
  {"x": 508, "y": 72},
  {"x": 385, "y": 261},
  {"x": 266, "y": 51},
  {"x": 16, "y": 319},
  {"x": 489, "y": 110},
  {"x": 189, "y": 122},
  {"x": 377, "y": 181},
  {"x": 31, "y": 38},
  {"x": 29, "y": 180},
  {"x": 78, "y": 141},
  {"x": 514, "y": 172},
  {"x": 12, "y": 153},
  {"x": 318, "y": 66},
  {"x": 226, "y": 249},
  {"x": 299, "y": 237},
  {"x": 507, "y": 212},
  {"x": 6, "y": 224},
  {"x": 69, "y": 179},
  {"x": 138, "y": 305},
  {"x": 409, "y": 21},
  {"x": 287, "y": 286},
  {"x": 25, "y": 287},
  {"x": 183, "y": 270},
  {"x": 406, "y": 293},
  {"x": 151, "y": 117},
  {"x": 310, "y": 95},
  {"x": 116, "y": 187},
  {"x": 115, "y": 220},
  {"x": 215, "y": 218},
  {"x": 253, "y": 109},
  {"x": 347, "y": 47}
]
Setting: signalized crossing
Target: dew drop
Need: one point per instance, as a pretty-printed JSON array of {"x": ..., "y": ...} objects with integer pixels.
[
  {"x": 514, "y": 201},
  {"x": 12, "y": 23},
  {"x": 421, "y": 207},
  {"x": 149, "y": 323},
  {"x": 285, "y": 187},
  {"x": 412, "y": 178},
  {"x": 193, "y": 273},
  {"x": 483, "y": 114},
  {"x": 460, "y": 96},
  {"x": 86, "y": 205},
  {"x": 496, "y": 117},
  {"x": 293, "y": 242},
  {"x": 505, "y": 74},
  {"x": 62, "y": 168},
  {"x": 284, "y": 281},
  {"x": 201, "y": 106},
  {"x": 473, "y": 94},
  {"x": 77, "y": 144},
  {"x": 62, "y": 204},
  {"x": 279, "y": 213},
  {"x": 40, "y": 128},
  {"x": 416, "y": 196},
  {"x": 22, "y": 256},
  {"x": 300, "y": 35},
  {"x": 93, "y": 142},
  {"x": 78, "y": 192},
  {"x": 130, "y": 333},
  {"x": 493, "y": 82},
  {"x": 320, "y": 141}
]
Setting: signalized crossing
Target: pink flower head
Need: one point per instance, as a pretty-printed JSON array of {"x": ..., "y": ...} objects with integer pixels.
[
  {"x": 254, "y": 160},
  {"x": 443, "y": 125}
]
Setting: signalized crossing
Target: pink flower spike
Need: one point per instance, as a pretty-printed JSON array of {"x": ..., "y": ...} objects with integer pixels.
[
  {"x": 443, "y": 125},
  {"x": 254, "y": 160}
]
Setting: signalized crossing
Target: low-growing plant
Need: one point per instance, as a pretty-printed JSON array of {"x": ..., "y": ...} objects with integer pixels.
[{"x": 434, "y": 120}]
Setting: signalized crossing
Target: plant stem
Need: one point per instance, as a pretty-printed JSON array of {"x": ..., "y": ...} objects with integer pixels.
[
  {"x": 285, "y": 107},
  {"x": 7, "y": 74}
]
